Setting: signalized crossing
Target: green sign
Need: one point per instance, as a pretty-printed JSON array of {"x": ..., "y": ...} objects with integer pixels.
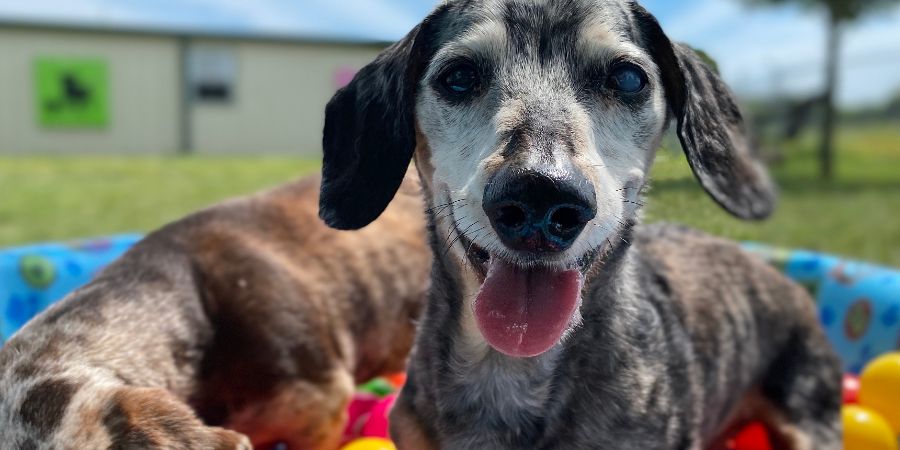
[{"x": 72, "y": 92}]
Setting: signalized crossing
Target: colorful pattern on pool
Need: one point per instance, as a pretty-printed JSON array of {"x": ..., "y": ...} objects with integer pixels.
[
  {"x": 34, "y": 277},
  {"x": 859, "y": 303}
]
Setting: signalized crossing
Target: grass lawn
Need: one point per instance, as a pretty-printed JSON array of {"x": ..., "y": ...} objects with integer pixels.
[
  {"x": 62, "y": 197},
  {"x": 856, "y": 215}
]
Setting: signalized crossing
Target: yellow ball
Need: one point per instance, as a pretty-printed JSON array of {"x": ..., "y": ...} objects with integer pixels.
[
  {"x": 880, "y": 389},
  {"x": 864, "y": 429},
  {"x": 370, "y": 444}
]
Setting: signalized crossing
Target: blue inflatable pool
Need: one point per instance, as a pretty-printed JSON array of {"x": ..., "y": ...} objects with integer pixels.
[
  {"x": 859, "y": 303},
  {"x": 35, "y": 276}
]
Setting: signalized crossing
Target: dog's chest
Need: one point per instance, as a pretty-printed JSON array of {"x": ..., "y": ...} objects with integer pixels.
[{"x": 497, "y": 402}]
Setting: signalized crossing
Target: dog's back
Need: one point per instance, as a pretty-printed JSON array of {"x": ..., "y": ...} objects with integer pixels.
[
  {"x": 252, "y": 312},
  {"x": 752, "y": 329}
]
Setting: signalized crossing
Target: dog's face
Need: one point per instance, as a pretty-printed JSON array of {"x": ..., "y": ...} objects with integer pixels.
[
  {"x": 534, "y": 124},
  {"x": 538, "y": 121}
]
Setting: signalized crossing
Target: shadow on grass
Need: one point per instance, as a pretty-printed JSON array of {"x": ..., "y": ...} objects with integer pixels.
[{"x": 796, "y": 185}]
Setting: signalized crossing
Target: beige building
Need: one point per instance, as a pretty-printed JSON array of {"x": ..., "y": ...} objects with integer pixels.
[{"x": 69, "y": 89}]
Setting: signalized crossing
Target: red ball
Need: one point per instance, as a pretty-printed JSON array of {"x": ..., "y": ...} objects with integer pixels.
[
  {"x": 851, "y": 389},
  {"x": 754, "y": 436}
]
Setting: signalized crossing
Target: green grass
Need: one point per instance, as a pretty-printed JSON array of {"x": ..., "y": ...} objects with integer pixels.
[
  {"x": 856, "y": 215},
  {"x": 63, "y": 197}
]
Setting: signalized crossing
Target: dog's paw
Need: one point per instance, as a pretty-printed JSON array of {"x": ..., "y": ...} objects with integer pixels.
[
  {"x": 198, "y": 437},
  {"x": 155, "y": 419},
  {"x": 222, "y": 439}
]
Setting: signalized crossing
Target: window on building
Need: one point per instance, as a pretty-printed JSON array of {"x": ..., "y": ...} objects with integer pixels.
[{"x": 211, "y": 73}]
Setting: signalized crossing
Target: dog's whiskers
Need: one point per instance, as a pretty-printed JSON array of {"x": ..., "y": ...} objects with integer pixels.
[
  {"x": 440, "y": 208},
  {"x": 450, "y": 233},
  {"x": 438, "y": 218},
  {"x": 612, "y": 231},
  {"x": 459, "y": 234},
  {"x": 475, "y": 235}
]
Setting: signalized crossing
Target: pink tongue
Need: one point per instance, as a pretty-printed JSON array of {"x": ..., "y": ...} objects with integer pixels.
[{"x": 524, "y": 312}]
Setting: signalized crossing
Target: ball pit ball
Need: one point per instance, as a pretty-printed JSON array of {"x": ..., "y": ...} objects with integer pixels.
[
  {"x": 755, "y": 436},
  {"x": 864, "y": 429},
  {"x": 851, "y": 389},
  {"x": 358, "y": 414},
  {"x": 880, "y": 389},
  {"x": 370, "y": 444},
  {"x": 378, "y": 386},
  {"x": 397, "y": 379},
  {"x": 377, "y": 425}
]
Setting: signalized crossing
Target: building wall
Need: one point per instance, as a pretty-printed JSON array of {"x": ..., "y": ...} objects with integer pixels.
[
  {"x": 144, "y": 82},
  {"x": 280, "y": 92},
  {"x": 280, "y": 96}
]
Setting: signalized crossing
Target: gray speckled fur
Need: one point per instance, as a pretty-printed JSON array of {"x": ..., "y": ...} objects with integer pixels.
[
  {"x": 250, "y": 315},
  {"x": 681, "y": 335},
  {"x": 639, "y": 373}
]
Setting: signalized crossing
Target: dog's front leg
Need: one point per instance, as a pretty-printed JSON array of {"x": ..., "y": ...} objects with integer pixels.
[
  {"x": 406, "y": 429},
  {"x": 154, "y": 418},
  {"x": 72, "y": 413}
]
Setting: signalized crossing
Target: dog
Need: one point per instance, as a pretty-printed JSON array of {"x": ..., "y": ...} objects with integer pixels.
[
  {"x": 554, "y": 320},
  {"x": 248, "y": 321}
]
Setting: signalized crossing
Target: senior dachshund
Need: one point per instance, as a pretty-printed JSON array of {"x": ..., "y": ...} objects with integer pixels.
[
  {"x": 554, "y": 321},
  {"x": 251, "y": 318}
]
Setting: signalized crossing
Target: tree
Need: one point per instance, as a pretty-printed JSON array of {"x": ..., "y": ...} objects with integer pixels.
[{"x": 838, "y": 12}]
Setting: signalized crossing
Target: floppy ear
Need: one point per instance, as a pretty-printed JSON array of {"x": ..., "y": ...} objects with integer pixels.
[
  {"x": 710, "y": 126},
  {"x": 369, "y": 135}
]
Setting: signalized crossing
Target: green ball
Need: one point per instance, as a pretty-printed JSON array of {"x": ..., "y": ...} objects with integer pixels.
[
  {"x": 377, "y": 386},
  {"x": 37, "y": 271}
]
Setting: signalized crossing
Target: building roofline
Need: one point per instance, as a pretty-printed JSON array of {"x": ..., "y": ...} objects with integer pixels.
[{"x": 177, "y": 32}]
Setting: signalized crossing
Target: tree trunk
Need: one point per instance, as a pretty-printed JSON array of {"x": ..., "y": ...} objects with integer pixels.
[{"x": 831, "y": 79}]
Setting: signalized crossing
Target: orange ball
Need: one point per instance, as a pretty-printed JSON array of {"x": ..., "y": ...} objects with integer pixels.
[
  {"x": 864, "y": 429},
  {"x": 397, "y": 379}
]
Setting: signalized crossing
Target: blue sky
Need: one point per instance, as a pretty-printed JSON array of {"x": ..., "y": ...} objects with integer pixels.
[{"x": 762, "y": 52}]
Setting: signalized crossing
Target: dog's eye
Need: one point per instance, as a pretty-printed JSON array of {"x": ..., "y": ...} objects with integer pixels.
[
  {"x": 460, "y": 79},
  {"x": 627, "y": 78}
]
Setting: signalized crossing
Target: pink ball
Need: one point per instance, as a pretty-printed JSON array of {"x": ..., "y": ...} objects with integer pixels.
[
  {"x": 358, "y": 414},
  {"x": 377, "y": 426}
]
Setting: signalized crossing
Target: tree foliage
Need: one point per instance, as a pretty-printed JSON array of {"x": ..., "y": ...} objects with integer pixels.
[{"x": 841, "y": 10}]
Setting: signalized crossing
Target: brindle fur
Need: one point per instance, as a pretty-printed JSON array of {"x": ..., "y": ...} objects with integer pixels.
[
  {"x": 249, "y": 317},
  {"x": 661, "y": 361},
  {"x": 683, "y": 336}
]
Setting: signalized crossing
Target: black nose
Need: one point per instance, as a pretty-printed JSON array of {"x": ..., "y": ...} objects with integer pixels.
[{"x": 537, "y": 210}]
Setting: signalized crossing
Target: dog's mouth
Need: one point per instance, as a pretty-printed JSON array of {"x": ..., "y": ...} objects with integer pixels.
[{"x": 524, "y": 309}]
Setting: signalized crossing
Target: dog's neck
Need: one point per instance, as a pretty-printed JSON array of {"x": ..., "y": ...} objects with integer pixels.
[{"x": 512, "y": 394}]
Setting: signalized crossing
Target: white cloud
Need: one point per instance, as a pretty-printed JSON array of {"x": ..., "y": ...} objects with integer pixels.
[
  {"x": 781, "y": 51},
  {"x": 54, "y": 9},
  {"x": 260, "y": 14},
  {"x": 371, "y": 19},
  {"x": 696, "y": 21},
  {"x": 383, "y": 19}
]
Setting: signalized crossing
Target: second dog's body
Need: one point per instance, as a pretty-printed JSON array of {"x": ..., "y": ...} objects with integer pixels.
[{"x": 251, "y": 313}]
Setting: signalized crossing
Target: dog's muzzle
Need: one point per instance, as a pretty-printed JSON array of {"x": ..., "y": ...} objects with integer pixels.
[
  {"x": 523, "y": 310},
  {"x": 539, "y": 210}
]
